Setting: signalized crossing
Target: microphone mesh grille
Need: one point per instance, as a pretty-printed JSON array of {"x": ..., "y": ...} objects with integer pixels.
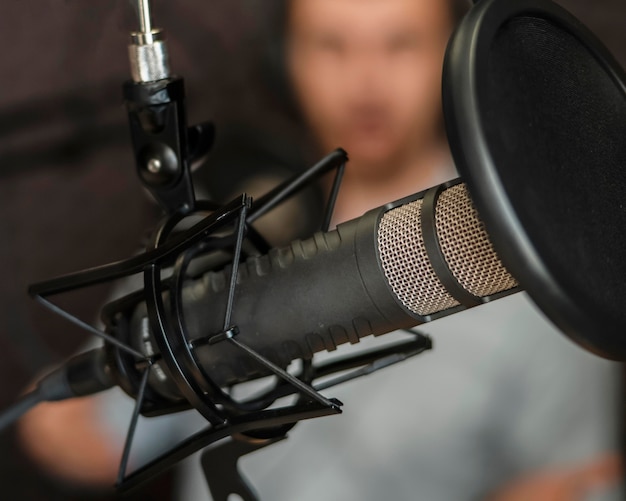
[
  {"x": 466, "y": 246},
  {"x": 463, "y": 241},
  {"x": 405, "y": 262}
]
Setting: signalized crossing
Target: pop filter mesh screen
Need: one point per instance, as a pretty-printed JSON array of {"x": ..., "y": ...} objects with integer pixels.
[{"x": 556, "y": 119}]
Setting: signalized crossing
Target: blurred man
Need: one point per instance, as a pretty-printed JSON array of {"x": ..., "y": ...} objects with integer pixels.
[
  {"x": 367, "y": 77},
  {"x": 503, "y": 397}
]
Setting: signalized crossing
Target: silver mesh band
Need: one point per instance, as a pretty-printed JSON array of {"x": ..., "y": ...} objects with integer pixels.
[
  {"x": 466, "y": 245},
  {"x": 406, "y": 265}
]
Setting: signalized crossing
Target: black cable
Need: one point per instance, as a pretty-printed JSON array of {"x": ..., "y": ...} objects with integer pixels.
[
  {"x": 19, "y": 408},
  {"x": 81, "y": 375}
]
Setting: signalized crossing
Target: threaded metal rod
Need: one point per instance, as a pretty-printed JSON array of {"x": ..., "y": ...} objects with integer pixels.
[{"x": 145, "y": 20}]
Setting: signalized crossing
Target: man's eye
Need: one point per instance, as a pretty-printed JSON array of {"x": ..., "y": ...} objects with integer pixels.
[{"x": 329, "y": 44}]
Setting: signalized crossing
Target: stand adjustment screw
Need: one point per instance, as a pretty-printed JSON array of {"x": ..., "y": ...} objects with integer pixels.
[{"x": 154, "y": 165}]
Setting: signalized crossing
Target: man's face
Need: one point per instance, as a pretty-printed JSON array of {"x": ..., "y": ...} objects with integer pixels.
[{"x": 367, "y": 73}]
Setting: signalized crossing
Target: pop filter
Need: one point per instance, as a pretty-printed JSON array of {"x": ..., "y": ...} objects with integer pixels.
[{"x": 535, "y": 111}]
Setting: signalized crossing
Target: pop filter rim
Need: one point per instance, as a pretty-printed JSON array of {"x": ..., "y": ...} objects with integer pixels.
[{"x": 466, "y": 60}]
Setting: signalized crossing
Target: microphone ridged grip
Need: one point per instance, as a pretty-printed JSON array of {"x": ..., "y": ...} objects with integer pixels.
[{"x": 370, "y": 276}]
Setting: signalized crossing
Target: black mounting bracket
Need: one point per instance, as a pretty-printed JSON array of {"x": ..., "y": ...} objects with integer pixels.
[{"x": 164, "y": 148}]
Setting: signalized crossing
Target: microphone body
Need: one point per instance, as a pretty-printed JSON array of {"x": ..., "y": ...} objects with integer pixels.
[{"x": 400, "y": 265}]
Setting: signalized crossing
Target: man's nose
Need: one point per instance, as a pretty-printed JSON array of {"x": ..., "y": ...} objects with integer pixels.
[{"x": 364, "y": 74}]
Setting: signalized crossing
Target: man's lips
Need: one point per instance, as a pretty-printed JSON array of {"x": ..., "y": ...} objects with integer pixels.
[{"x": 365, "y": 128}]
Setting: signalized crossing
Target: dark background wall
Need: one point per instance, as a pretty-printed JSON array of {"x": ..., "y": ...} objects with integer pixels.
[{"x": 69, "y": 198}]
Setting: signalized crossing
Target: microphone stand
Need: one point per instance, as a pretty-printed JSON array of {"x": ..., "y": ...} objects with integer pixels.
[{"x": 164, "y": 149}]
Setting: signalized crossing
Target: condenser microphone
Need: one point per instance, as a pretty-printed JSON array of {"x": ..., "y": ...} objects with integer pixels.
[{"x": 403, "y": 264}]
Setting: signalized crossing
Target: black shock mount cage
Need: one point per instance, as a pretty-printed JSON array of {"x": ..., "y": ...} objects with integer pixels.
[{"x": 159, "y": 131}]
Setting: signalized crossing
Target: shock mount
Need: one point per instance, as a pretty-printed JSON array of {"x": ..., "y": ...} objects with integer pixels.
[{"x": 164, "y": 149}]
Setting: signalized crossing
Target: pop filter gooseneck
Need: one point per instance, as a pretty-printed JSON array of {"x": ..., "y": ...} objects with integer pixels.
[{"x": 535, "y": 111}]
